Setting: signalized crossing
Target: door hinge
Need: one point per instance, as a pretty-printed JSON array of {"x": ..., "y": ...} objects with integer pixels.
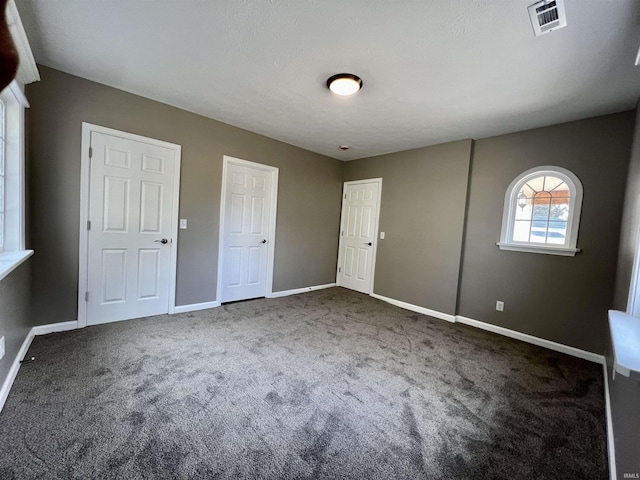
[
  {"x": 342, "y": 233},
  {"x": 90, "y": 152},
  {"x": 88, "y": 224},
  {"x": 339, "y": 269},
  {"x": 345, "y": 196},
  {"x": 86, "y": 296}
]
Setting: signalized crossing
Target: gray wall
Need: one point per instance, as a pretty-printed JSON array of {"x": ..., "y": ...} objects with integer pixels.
[
  {"x": 15, "y": 321},
  {"x": 422, "y": 214},
  {"x": 625, "y": 392},
  {"x": 563, "y": 299},
  {"x": 308, "y": 201}
]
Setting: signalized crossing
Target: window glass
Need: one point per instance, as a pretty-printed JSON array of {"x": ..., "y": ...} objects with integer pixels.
[{"x": 542, "y": 209}]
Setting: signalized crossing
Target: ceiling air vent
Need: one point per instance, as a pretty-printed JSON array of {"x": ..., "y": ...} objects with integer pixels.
[{"x": 547, "y": 15}]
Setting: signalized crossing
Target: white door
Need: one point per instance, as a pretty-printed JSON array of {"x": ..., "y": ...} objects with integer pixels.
[
  {"x": 358, "y": 231},
  {"x": 131, "y": 195},
  {"x": 248, "y": 214}
]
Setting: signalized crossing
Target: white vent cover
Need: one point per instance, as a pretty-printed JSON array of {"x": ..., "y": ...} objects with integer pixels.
[{"x": 547, "y": 15}]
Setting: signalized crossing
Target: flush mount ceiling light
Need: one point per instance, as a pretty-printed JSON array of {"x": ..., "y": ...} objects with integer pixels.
[{"x": 344, "y": 84}]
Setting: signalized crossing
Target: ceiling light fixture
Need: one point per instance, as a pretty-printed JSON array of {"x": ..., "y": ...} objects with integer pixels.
[{"x": 344, "y": 84}]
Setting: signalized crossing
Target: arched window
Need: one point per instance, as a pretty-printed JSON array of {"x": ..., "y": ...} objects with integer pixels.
[{"x": 542, "y": 212}]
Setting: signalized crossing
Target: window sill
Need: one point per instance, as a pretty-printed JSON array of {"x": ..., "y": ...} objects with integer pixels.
[
  {"x": 625, "y": 337},
  {"x": 563, "y": 251},
  {"x": 9, "y": 261}
]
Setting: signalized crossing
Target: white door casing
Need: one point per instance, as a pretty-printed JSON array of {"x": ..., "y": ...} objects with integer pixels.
[
  {"x": 129, "y": 211},
  {"x": 247, "y": 230},
  {"x": 358, "y": 234}
]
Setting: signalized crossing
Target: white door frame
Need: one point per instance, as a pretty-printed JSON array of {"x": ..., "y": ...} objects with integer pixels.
[
  {"x": 271, "y": 243},
  {"x": 375, "y": 229},
  {"x": 85, "y": 176}
]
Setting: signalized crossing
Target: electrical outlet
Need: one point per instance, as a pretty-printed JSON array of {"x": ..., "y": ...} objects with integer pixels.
[
  {"x": 381, "y": 235},
  {"x": 1, "y": 347},
  {"x": 499, "y": 306}
]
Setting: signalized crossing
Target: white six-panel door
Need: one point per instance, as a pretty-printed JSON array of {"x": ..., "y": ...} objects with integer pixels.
[
  {"x": 131, "y": 195},
  {"x": 248, "y": 207},
  {"x": 359, "y": 227}
]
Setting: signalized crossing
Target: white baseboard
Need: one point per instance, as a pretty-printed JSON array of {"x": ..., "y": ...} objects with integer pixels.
[
  {"x": 55, "y": 327},
  {"x": 416, "y": 308},
  {"x": 24, "y": 348},
  {"x": 295, "y": 291},
  {"x": 611, "y": 447},
  {"x": 541, "y": 342},
  {"x": 194, "y": 307},
  {"x": 15, "y": 366}
]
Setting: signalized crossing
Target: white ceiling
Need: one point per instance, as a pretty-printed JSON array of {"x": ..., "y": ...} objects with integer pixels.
[{"x": 433, "y": 71}]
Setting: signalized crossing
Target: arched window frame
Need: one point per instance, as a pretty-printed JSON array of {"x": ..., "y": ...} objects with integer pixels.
[{"x": 573, "y": 220}]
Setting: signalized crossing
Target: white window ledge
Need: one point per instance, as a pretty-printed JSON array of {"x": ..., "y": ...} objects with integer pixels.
[
  {"x": 625, "y": 337},
  {"x": 9, "y": 261},
  {"x": 564, "y": 251}
]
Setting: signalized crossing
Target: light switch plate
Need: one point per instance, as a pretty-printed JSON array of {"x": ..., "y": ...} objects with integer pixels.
[
  {"x": 183, "y": 224},
  {"x": 381, "y": 235}
]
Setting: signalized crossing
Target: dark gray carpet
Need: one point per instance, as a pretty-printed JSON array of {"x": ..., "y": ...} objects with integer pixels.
[{"x": 328, "y": 384}]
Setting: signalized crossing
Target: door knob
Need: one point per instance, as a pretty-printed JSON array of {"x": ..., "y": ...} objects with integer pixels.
[
  {"x": 164, "y": 240},
  {"x": 369, "y": 243},
  {"x": 263, "y": 241}
]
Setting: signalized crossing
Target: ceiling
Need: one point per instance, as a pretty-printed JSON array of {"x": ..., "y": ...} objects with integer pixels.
[{"x": 433, "y": 71}]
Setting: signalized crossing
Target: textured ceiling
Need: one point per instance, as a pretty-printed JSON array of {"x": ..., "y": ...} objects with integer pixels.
[{"x": 433, "y": 71}]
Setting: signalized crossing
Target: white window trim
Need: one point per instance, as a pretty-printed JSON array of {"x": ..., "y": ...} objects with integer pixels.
[
  {"x": 575, "y": 188},
  {"x": 14, "y": 252},
  {"x": 27, "y": 70}
]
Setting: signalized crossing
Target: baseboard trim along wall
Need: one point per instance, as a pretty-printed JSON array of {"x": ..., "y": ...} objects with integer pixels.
[
  {"x": 611, "y": 444},
  {"x": 54, "y": 327},
  {"x": 15, "y": 366},
  {"x": 24, "y": 348},
  {"x": 416, "y": 308},
  {"x": 194, "y": 307},
  {"x": 285, "y": 293},
  {"x": 541, "y": 342},
  {"x": 295, "y": 291}
]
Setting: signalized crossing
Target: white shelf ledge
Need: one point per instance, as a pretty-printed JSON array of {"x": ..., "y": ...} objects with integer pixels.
[
  {"x": 532, "y": 248},
  {"x": 625, "y": 337},
  {"x": 9, "y": 261}
]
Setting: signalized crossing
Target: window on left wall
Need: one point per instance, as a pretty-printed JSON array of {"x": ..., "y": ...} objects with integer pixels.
[
  {"x": 12, "y": 186},
  {"x": 2, "y": 174}
]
